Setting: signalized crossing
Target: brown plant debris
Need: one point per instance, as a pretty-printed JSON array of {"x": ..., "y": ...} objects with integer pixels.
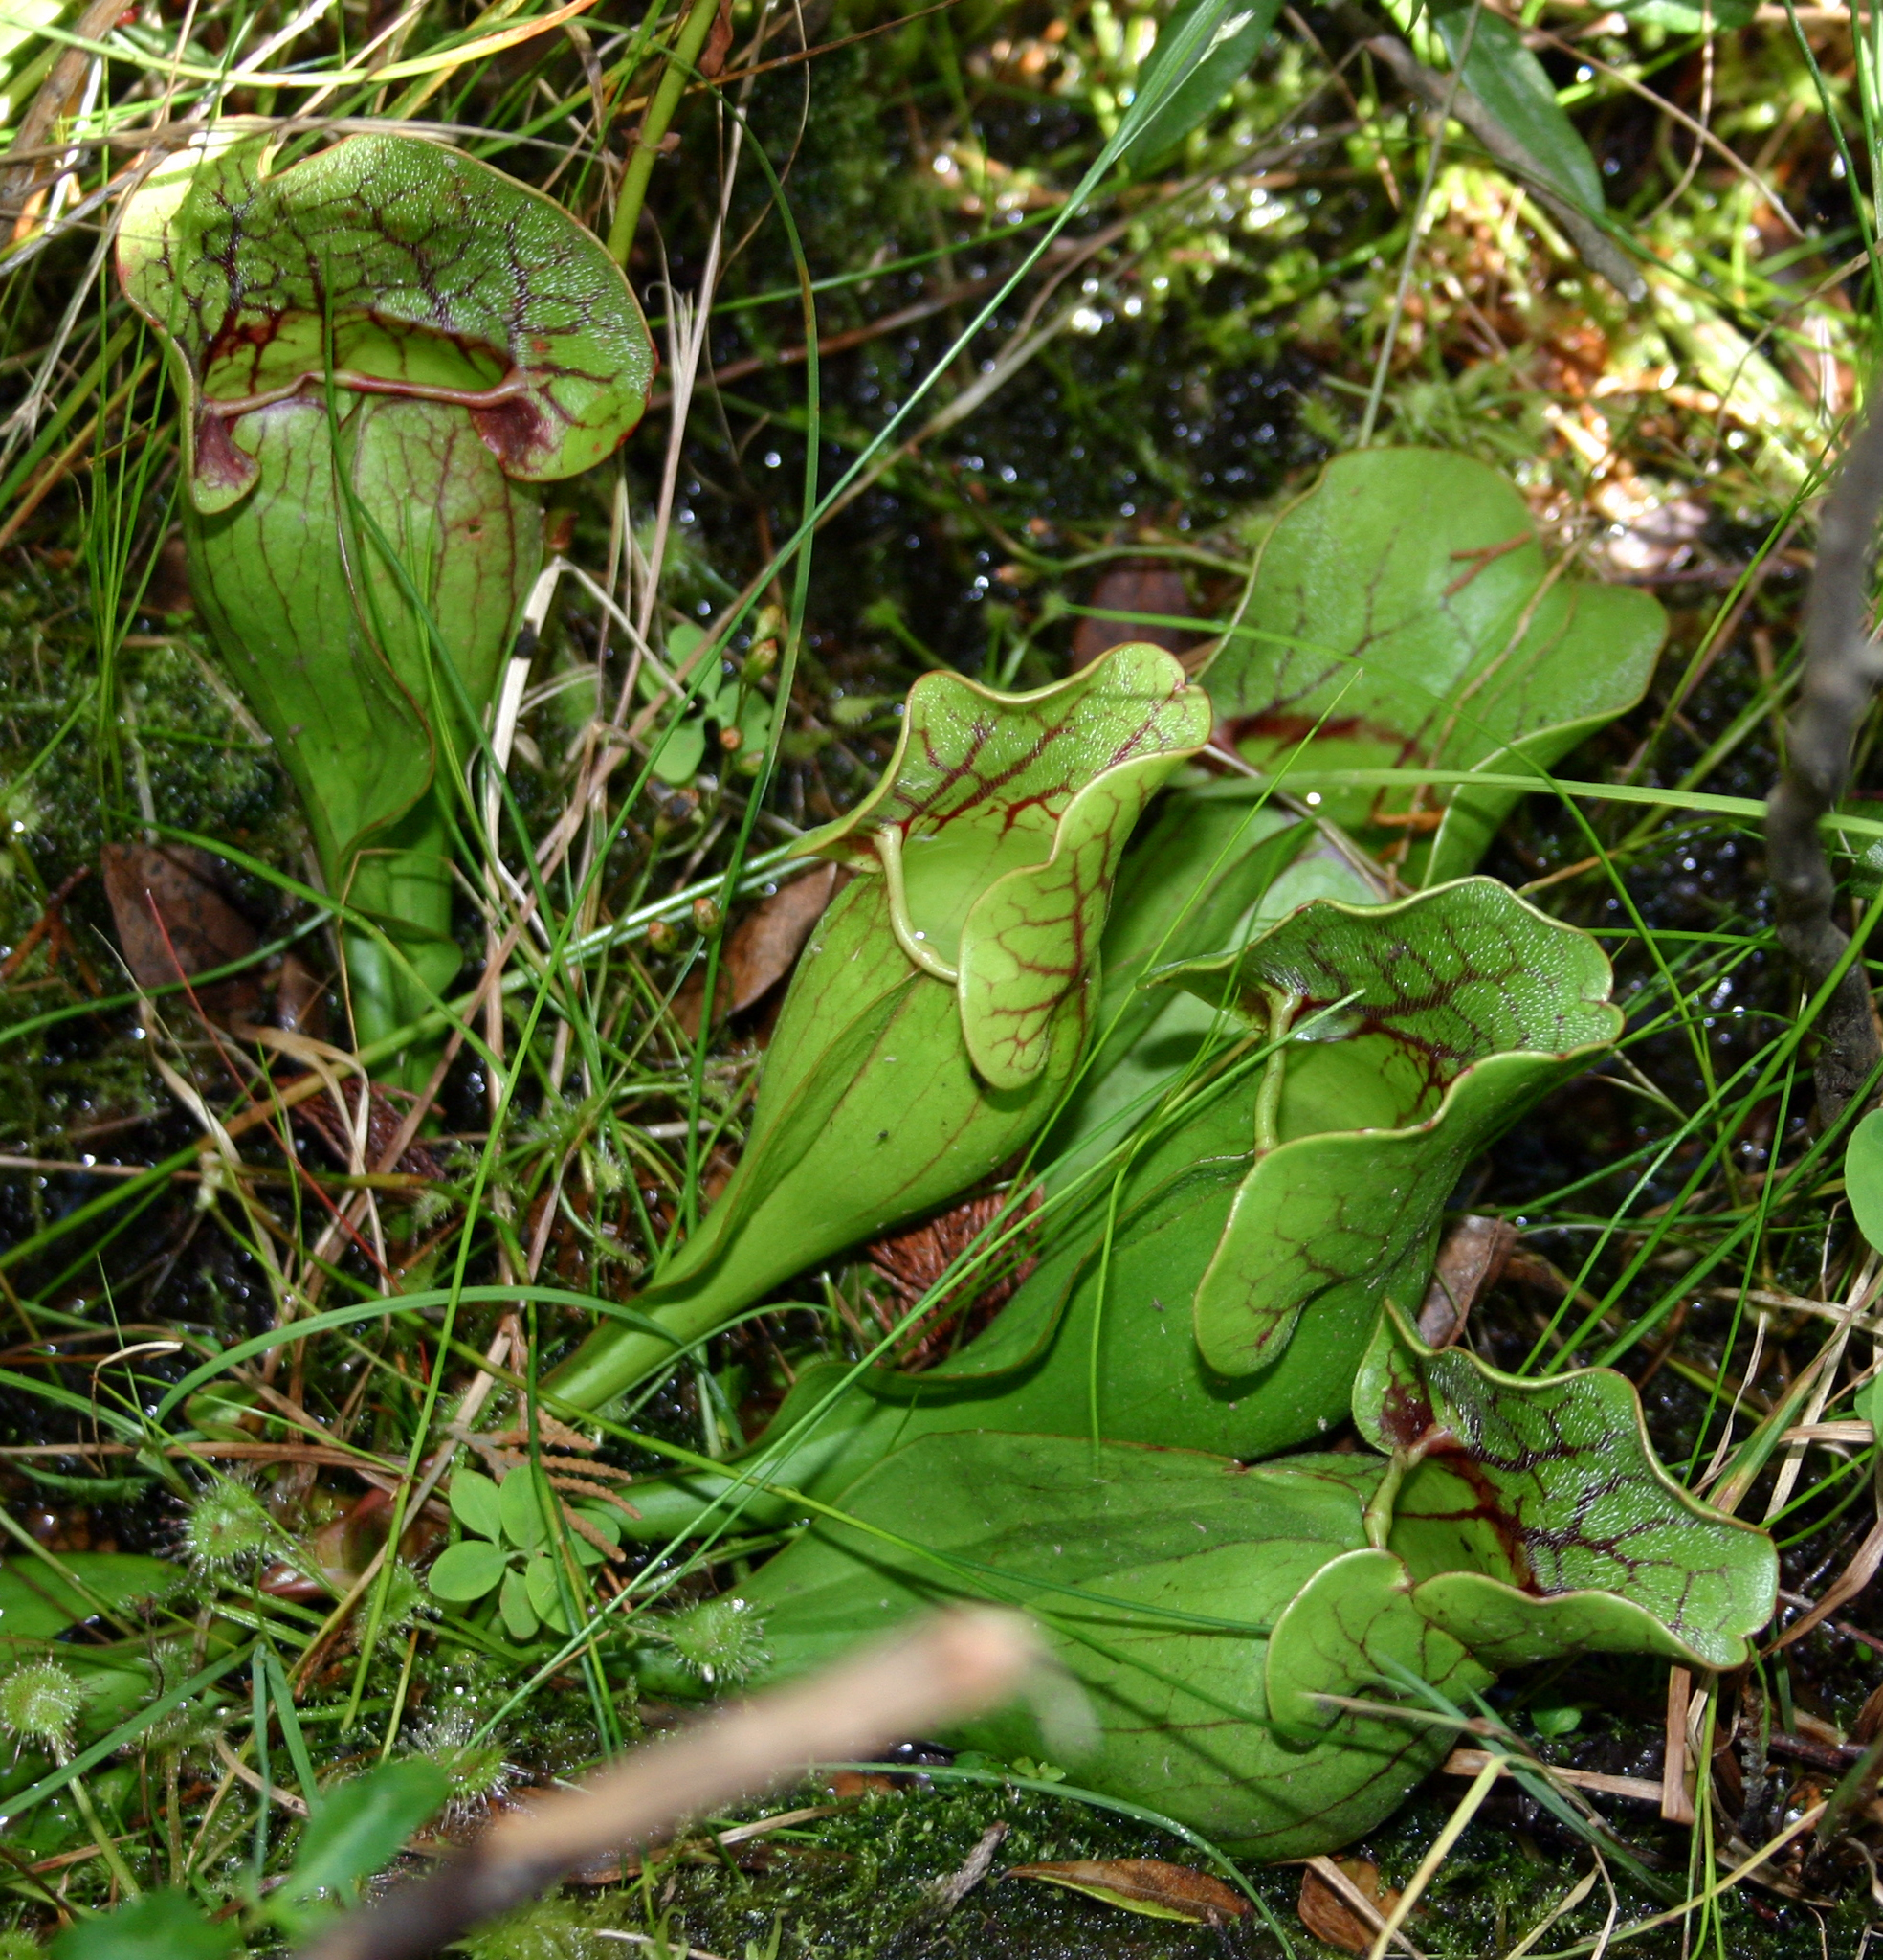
[
  {"x": 913, "y": 1262},
  {"x": 1145, "y": 1886}
]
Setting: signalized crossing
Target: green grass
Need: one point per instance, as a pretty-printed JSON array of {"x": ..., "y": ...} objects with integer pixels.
[{"x": 1158, "y": 382}]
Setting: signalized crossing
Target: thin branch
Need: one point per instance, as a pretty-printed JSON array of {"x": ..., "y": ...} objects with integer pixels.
[
  {"x": 956, "y": 1664},
  {"x": 1841, "y": 672}
]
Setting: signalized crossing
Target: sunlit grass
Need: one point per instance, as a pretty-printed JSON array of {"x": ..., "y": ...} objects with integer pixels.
[{"x": 591, "y": 1129}]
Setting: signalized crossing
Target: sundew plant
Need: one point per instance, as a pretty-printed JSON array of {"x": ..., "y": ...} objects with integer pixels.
[{"x": 804, "y": 810}]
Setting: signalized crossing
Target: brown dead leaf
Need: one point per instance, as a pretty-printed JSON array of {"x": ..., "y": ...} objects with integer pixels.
[
  {"x": 762, "y": 948},
  {"x": 167, "y": 595},
  {"x": 854, "y": 1783},
  {"x": 1144, "y": 1885},
  {"x": 719, "y": 42},
  {"x": 1331, "y": 1911},
  {"x": 384, "y": 1120},
  {"x": 1472, "y": 1258},
  {"x": 914, "y": 1262},
  {"x": 174, "y": 920},
  {"x": 300, "y": 999},
  {"x": 1139, "y": 585}
]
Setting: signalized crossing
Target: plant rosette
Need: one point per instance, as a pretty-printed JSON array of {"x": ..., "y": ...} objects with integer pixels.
[
  {"x": 511, "y": 1548},
  {"x": 1213, "y": 1613},
  {"x": 380, "y": 354},
  {"x": 1217, "y": 1290},
  {"x": 942, "y": 1006}
]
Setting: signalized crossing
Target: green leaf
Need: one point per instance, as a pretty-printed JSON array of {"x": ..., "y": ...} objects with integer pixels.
[
  {"x": 681, "y": 751},
  {"x": 1353, "y": 1629},
  {"x": 513, "y": 1602},
  {"x": 1209, "y": 1610},
  {"x": 1678, "y": 17},
  {"x": 606, "y": 1520},
  {"x": 1402, "y": 615},
  {"x": 160, "y": 1925},
  {"x": 1510, "y": 83},
  {"x": 1869, "y": 1403},
  {"x": 360, "y": 1826},
  {"x": 221, "y": 1412},
  {"x": 1222, "y": 859},
  {"x": 998, "y": 828},
  {"x": 1863, "y": 1176},
  {"x": 544, "y": 1594},
  {"x": 91, "y": 1490},
  {"x": 1556, "y": 1718},
  {"x": 1203, "y": 50},
  {"x": 467, "y": 1569},
  {"x": 37, "y": 1604},
  {"x": 1120, "y": 1552},
  {"x": 989, "y": 847},
  {"x": 1219, "y": 1290},
  {"x": 1462, "y": 1006},
  {"x": 520, "y": 1503},
  {"x": 379, "y": 352},
  {"x": 37, "y": 1607},
  {"x": 476, "y": 1505}
]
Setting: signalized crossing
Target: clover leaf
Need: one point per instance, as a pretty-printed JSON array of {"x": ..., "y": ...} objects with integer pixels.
[{"x": 508, "y": 1549}]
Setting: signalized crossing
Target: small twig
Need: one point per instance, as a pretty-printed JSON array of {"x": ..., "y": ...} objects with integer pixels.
[
  {"x": 242, "y": 1773},
  {"x": 1841, "y": 671},
  {"x": 1676, "y": 1803},
  {"x": 957, "y": 1664},
  {"x": 1637, "y": 1789}
]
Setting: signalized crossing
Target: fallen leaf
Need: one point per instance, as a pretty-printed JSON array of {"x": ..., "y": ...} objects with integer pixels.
[
  {"x": 1472, "y": 1258},
  {"x": 762, "y": 948},
  {"x": 1145, "y": 1886},
  {"x": 174, "y": 920},
  {"x": 300, "y": 999},
  {"x": 167, "y": 595},
  {"x": 384, "y": 1120},
  {"x": 1139, "y": 585},
  {"x": 718, "y": 40},
  {"x": 948, "y": 1893},
  {"x": 1329, "y": 1910}
]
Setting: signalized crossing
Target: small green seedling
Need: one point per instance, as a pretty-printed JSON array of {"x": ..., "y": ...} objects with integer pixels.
[{"x": 509, "y": 1549}]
